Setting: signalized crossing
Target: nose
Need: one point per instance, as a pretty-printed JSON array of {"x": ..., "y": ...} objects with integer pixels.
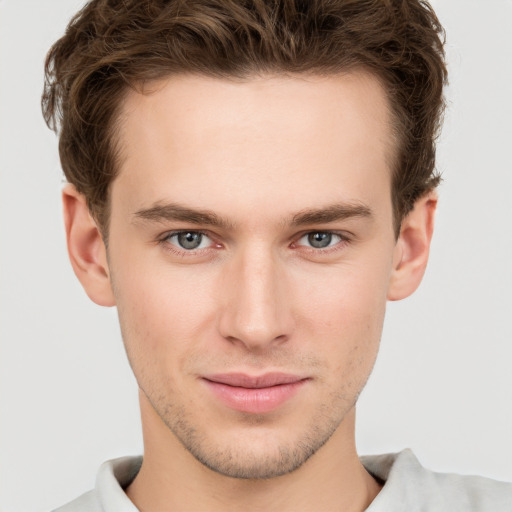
[{"x": 256, "y": 310}]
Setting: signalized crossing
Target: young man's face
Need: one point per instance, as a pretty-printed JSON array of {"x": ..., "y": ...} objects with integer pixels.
[{"x": 251, "y": 248}]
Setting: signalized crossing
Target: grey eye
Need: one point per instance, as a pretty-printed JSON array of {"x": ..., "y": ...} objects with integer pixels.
[
  {"x": 319, "y": 240},
  {"x": 189, "y": 239}
]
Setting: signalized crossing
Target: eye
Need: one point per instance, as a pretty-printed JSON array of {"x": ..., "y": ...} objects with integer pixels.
[
  {"x": 320, "y": 239},
  {"x": 189, "y": 240}
]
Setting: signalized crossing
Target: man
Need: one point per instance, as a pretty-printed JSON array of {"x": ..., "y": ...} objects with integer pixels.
[{"x": 249, "y": 183}]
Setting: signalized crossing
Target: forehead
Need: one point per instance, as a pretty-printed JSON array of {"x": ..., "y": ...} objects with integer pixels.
[{"x": 258, "y": 142}]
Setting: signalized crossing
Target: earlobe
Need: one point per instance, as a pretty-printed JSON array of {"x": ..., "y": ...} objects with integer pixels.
[
  {"x": 412, "y": 248},
  {"x": 86, "y": 249}
]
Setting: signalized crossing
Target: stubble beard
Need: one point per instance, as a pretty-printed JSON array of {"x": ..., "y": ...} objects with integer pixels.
[{"x": 243, "y": 461}]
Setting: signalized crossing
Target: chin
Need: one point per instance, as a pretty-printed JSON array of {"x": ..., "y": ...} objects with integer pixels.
[
  {"x": 255, "y": 465},
  {"x": 255, "y": 450}
]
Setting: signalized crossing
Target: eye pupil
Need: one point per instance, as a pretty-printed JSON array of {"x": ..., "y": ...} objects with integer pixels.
[
  {"x": 320, "y": 240},
  {"x": 190, "y": 240}
]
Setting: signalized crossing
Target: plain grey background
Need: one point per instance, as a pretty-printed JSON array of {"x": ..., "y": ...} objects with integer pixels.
[{"x": 443, "y": 381}]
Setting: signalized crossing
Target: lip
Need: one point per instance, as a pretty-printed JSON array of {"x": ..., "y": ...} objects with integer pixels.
[{"x": 254, "y": 394}]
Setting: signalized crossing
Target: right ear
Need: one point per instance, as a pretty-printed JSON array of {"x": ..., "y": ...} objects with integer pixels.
[{"x": 87, "y": 252}]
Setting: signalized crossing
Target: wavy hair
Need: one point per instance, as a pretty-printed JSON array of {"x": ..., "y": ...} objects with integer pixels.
[{"x": 111, "y": 46}]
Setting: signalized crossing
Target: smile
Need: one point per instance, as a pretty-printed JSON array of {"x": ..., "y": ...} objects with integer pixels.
[{"x": 254, "y": 394}]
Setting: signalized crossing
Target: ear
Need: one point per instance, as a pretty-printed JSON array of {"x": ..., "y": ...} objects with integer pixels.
[
  {"x": 412, "y": 248},
  {"x": 86, "y": 249}
]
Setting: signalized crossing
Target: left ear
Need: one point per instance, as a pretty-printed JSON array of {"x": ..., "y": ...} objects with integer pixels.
[{"x": 412, "y": 248}]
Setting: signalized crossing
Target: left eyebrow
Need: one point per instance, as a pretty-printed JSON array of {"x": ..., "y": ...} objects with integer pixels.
[{"x": 331, "y": 213}]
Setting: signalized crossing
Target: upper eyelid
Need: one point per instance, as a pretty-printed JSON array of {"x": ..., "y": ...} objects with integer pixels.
[
  {"x": 345, "y": 235},
  {"x": 343, "y": 239},
  {"x": 323, "y": 231},
  {"x": 168, "y": 234}
]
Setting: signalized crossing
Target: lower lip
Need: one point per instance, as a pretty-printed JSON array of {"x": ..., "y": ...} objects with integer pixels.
[{"x": 255, "y": 400}]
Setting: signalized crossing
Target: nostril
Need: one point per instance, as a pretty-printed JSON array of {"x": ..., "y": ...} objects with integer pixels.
[{"x": 257, "y": 342}]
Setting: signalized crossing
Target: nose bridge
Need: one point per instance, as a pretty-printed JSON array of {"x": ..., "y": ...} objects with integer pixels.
[{"x": 257, "y": 312}]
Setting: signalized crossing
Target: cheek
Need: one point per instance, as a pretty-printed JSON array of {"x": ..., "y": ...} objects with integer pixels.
[
  {"x": 345, "y": 317},
  {"x": 161, "y": 314},
  {"x": 349, "y": 297}
]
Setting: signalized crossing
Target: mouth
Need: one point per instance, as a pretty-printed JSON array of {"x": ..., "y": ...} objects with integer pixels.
[{"x": 254, "y": 394}]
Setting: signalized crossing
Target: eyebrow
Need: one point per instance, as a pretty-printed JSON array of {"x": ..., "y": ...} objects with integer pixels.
[
  {"x": 331, "y": 213},
  {"x": 323, "y": 215},
  {"x": 176, "y": 212}
]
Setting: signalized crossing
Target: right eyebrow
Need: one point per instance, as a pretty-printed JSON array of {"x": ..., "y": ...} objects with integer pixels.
[{"x": 177, "y": 212}]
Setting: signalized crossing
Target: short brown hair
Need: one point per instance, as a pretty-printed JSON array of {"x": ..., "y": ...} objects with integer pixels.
[{"x": 113, "y": 45}]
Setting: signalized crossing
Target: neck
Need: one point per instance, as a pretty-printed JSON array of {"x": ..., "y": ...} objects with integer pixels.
[{"x": 170, "y": 478}]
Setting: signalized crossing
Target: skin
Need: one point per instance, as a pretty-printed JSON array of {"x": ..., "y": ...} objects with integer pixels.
[{"x": 256, "y": 296}]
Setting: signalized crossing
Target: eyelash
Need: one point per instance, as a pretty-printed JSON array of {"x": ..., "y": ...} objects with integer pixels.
[{"x": 170, "y": 247}]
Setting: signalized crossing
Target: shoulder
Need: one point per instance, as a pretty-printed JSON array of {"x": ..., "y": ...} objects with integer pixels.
[
  {"x": 85, "y": 503},
  {"x": 411, "y": 487},
  {"x": 108, "y": 495},
  {"x": 472, "y": 493}
]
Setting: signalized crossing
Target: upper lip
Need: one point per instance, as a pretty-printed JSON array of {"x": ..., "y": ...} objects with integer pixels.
[{"x": 243, "y": 380}]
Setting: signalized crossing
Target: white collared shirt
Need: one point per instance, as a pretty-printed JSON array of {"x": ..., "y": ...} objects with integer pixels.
[{"x": 408, "y": 487}]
